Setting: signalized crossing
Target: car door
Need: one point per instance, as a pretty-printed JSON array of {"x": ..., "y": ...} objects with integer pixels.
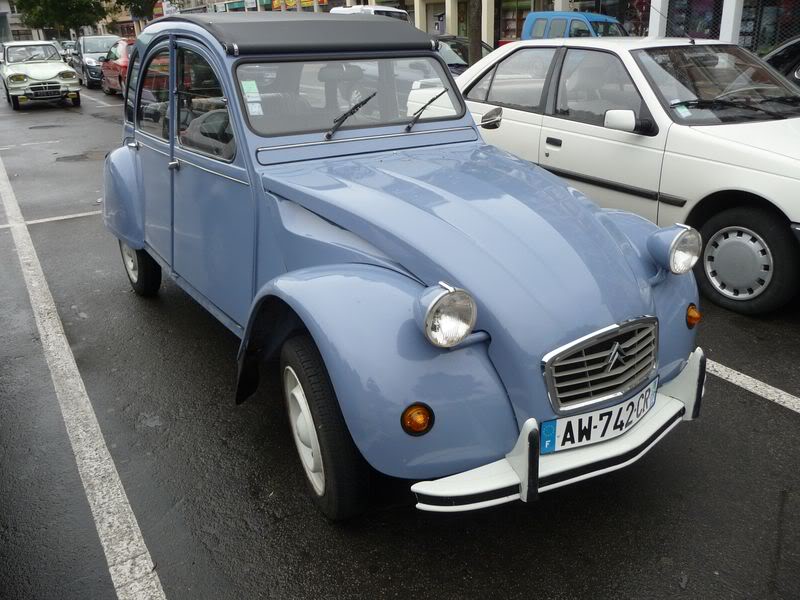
[
  {"x": 152, "y": 137},
  {"x": 107, "y": 66},
  {"x": 214, "y": 203},
  {"x": 614, "y": 168},
  {"x": 516, "y": 84}
]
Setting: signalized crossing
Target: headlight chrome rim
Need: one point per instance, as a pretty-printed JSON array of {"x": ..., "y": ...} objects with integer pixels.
[
  {"x": 67, "y": 75},
  {"x": 693, "y": 237},
  {"x": 449, "y": 292},
  {"x": 18, "y": 78}
]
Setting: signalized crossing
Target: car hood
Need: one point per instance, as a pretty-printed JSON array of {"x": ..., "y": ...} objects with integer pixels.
[
  {"x": 778, "y": 137},
  {"x": 536, "y": 255},
  {"x": 39, "y": 70}
]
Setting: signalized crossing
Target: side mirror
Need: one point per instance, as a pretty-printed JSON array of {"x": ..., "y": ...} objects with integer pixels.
[
  {"x": 625, "y": 120},
  {"x": 492, "y": 119}
]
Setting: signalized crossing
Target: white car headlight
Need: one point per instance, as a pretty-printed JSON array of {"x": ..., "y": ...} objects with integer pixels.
[
  {"x": 449, "y": 315},
  {"x": 90, "y": 61},
  {"x": 675, "y": 248},
  {"x": 67, "y": 75},
  {"x": 18, "y": 78}
]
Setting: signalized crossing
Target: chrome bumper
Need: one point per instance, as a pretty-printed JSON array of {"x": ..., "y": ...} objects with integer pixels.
[{"x": 510, "y": 478}]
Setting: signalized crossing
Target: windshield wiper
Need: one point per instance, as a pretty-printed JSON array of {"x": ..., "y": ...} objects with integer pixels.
[
  {"x": 339, "y": 121},
  {"x": 790, "y": 100},
  {"x": 721, "y": 103},
  {"x": 421, "y": 109}
]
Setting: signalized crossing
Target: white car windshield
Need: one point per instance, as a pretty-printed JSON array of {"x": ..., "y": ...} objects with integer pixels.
[
  {"x": 306, "y": 96},
  {"x": 40, "y": 52},
  {"x": 712, "y": 84}
]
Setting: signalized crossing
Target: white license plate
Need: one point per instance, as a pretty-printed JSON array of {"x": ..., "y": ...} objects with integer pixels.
[{"x": 597, "y": 426}]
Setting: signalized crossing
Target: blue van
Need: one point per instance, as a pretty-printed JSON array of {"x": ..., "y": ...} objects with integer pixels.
[{"x": 551, "y": 24}]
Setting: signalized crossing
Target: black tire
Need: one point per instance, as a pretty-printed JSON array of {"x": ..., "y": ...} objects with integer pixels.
[
  {"x": 147, "y": 277},
  {"x": 86, "y": 81},
  {"x": 76, "y": 101},
  {"x": 347, "y": 475},
  {"x": 781, "y": 244},
  {"x": 8, "y": 96},
  {"x": 14, "y": 103}
]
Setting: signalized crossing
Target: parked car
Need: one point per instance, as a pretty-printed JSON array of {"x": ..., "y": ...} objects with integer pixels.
[
  {"x": 553, "y": 24},
  {"x": 455, "y": 52},
  {"x": 34, "y": 71},
  {"x": 433, "y": 307},
  {"x": 85, "y": 58},
  {"x": 380, "y": 10},
  {"x": 114, "y": 66},
  {"x": 675, "y": 130},
  {"x": 786, "y": 59},
  {"x": 67, "y": 45}
]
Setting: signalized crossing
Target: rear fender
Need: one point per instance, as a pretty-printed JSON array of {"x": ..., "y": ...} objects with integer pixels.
[
  {"x": 123, "y": 210},
  {"x": 361, "y": 318}
]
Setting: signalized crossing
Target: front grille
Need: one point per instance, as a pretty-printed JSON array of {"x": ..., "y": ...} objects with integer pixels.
[
  {"x": 45, "y": 90},
  {"x": 602, "y": 366}
]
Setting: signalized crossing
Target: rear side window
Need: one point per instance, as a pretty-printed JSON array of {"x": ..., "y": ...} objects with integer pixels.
[
  {"x": 557, "y": 28},
  {"x": 539, "y": 25},
  {"x": 130, "y": 91},
  {"x": 577, "y": 28},
  {"x": 153, "y": 117}
]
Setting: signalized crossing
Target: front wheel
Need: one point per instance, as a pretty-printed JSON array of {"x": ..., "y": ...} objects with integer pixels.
[
  {"x": 337, "y": 475},
  {"x": 76, "y": 101},
  {"x": 749, "y": 261},
  {"x": 14, "y": 103},
  {"x": 143, "y": 272}
]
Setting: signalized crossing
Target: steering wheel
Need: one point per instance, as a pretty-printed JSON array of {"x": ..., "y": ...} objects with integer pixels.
[{"x": 749, "y": 88}]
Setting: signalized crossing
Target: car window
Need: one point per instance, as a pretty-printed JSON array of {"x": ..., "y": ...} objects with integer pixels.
[
  {"x": 593, "y": 82},
  {"x": 557, "y": 28},
  {"x": 130, "y": 91},
  {"x": 33, "y": 53},
  {"x": 520, "y": 78},
  {"x": 537, "y": 31},
  {"x": 578, "y": 28},
  {"x": 478, "y": 91},
  {"x": 153, "y": 116},
  {"x": 113, "y": 53},
  {"x": 204, "y": 124},
  {"x": 608, "y": 29},
  {"x": 98, "y": 44}
]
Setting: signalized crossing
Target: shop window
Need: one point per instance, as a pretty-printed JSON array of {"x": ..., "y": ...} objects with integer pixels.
[
  {"x": 593, "y": 82},
  {"x": 557, "y": 28}
]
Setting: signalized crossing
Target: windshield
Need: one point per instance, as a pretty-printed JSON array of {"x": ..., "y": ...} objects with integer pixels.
[
  {"x": 20, "y": 54},
  {"x": 706, "y": 85},
  {"x": 306, "y": 96},
  {"x": 97, "y": 45},
  {"x": 606, "y": 29}
]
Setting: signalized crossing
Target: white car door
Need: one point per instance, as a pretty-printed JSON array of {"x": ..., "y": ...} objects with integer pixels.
[
  {"x": 516, "y": 85},
  {"x": 614, "y": 168}
]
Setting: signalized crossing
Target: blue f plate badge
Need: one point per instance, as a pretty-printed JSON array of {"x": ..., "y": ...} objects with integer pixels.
[{"x": 598, "y": 426}]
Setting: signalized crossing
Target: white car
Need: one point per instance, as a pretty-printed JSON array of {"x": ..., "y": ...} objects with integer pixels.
[
  {"x": 36, "y": 71},
  {"x": 702, "y": 133}
]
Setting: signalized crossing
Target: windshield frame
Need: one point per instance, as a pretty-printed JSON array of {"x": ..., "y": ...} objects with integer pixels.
[
  {"x": 283, "y": 58},
  {"x": 637, "y": 54},
  {"x": 33, "y": 44}
]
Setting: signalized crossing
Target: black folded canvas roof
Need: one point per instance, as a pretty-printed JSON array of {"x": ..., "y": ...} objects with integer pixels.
[{"x": 293, "y": 32}]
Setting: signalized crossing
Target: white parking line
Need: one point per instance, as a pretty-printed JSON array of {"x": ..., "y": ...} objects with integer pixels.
[
  {"x": 759, "y": 388},
  {"x": 129, "y": 564},
  {"x": 91, "y": 213},
  {"x": 30, "y": 144},
  {"x": 100, "y": 102}
]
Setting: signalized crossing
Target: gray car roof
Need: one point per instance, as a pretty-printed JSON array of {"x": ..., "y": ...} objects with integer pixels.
[{"x": 292, "y": 32}]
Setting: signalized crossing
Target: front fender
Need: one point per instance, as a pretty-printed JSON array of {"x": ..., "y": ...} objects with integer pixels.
[
  {"x": 361, "y": 318},
  {"x": 122, "y": 209}
]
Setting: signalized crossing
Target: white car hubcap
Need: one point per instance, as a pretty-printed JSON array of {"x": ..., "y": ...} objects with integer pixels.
[
  {"x": 131, "y": 262},
  {"x": 738, "y": 263},
  {"x": 303, "y": 430}
]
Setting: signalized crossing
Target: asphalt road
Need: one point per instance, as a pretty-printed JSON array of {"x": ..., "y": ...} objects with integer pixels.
[{"x": 711, "y": 512}]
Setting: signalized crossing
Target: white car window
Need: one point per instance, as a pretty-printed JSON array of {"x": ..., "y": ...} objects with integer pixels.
[{"x": 518, "y": 80}]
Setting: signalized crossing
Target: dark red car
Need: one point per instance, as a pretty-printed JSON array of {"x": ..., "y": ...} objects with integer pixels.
[{"x": 115, "y": 66}]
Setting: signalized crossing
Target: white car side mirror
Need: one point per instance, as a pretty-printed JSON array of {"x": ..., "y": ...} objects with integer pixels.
[{"x": 621, "y": 120}]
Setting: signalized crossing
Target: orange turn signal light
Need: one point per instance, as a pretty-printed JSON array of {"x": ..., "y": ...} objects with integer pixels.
[
  {"x": 693, "y": 316},
  {"x": 417, "y": 419}
]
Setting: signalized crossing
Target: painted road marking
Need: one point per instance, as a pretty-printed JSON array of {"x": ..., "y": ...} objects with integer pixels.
[
  {"x": 91, "y": 213},
  {"x": 129, "y": 564},
  {"x": 29, "y": 144},
  {"x": 100, "y": 102},
  {"x": 755, "y": 386}
]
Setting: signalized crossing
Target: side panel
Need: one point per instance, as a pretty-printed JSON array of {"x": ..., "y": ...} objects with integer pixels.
[
  {"x": 361, "y": 318},
  {"x": 122, "y": 208}
]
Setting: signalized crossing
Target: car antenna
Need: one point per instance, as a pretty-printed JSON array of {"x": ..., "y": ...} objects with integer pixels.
[{"x": 671, "y": 24}]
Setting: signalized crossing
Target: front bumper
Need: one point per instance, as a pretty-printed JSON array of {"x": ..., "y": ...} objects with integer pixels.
[
  {"x": 523, "y": 473},
  {"x": 29, "y": 94}
]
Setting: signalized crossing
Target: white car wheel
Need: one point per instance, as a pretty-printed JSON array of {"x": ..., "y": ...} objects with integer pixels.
[{"x": 304, "y": 430}]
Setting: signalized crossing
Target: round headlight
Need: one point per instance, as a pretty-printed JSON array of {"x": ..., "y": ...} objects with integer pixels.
[
  {"x": 450, "y": 317},
  {"x": 67, "y": 75},
  {"x": 684, "y": 251},
  {"x": 18, "y": 78}
]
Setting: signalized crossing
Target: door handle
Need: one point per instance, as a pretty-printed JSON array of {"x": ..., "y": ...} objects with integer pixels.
[
  {"x": 174, "y": 165},
  {"x": 554, "y": 142},
  {"x": 134, "y": 145}
]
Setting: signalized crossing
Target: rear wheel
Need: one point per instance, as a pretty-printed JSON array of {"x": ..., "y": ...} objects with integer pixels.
[
  {"x": 749, "y": 261},
  {"x": 143, "y": 272},
  {"x": 337, "y": 474},
  {"x": 104, "y": 86}
]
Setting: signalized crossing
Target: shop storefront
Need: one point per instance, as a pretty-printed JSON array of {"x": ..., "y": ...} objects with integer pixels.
[{"x": 766, "y": 24}]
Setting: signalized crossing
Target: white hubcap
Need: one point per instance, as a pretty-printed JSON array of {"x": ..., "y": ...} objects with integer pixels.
[
  {"x": 738, "y": 263},
  {"x": 304, "y": 430},
  {"x": 130, "y": 261}
]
